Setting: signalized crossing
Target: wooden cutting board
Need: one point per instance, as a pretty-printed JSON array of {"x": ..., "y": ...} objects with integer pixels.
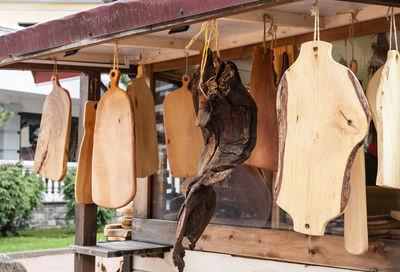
[
  {"x": 145, "y": 124},
  {"x": 184, "y": 140},
  {"x": 372, "y": 88},
  {"x": 263, "y": 91},
  {"x": 322, "y": 120},
  {"x": 83, "y": 179},
  {"x": 388, "y": 122},
  {"x": 113, "y": 162},
  {"x": 51, "y": 153},
  {"x": 355, "y": 215}
]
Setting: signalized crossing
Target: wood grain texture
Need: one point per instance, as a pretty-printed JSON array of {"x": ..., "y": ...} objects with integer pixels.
[
  {"x": 145, "y": 124},
  {"x": 372, "y": 89},
  {"x": 113, "y": 165},
  {"x": 184, "y": 140},
  {"x": 286, "y": 246},
  {"x": 83, "y": 179},
  {"x": 388, "y": 122},
  {"x": 355, "y": 215},
  {"x": 263, "y": 91},
  {"x": 51, "y": 153},
  {"x": 322, "y": 119}
]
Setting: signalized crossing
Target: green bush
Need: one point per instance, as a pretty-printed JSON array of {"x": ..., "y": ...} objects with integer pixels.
[
  {"x": 5, "y": 116},
  {"x": 104, "y": 216},
  {"x": 20, "y": 192}
]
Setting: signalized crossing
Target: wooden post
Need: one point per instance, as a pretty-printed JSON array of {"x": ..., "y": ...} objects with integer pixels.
[
  {"x": 86, "y": 215},
  {"x": 128, "y": 264}
]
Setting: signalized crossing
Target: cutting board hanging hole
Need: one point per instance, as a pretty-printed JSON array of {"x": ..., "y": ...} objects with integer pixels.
[{"x": 307, "y": 226}]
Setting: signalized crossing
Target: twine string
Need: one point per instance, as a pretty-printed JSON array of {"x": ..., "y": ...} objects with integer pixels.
[{"x": 115, "y": 62}]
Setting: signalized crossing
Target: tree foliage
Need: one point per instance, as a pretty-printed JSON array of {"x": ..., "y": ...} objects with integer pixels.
[
  {"x": 104, "y": 215},
  {"x": 20, "y": 192},
  {"x": 5, "y": 116}
]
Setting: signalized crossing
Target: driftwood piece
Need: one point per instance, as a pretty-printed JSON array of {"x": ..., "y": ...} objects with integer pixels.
[{"x": 227, "y": 116}]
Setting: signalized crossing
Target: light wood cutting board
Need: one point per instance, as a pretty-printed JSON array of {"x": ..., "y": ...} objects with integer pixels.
[
  {"x": 372, "y": 88},
  {"x": 355, "y": 215},
  {"x": 322, "y": 120},
  {"x": 83, "y": 179},
  {"x": 388, "y": 122},
  {"x": 263, "y": 91},
  {"x": 113, "y": 162},
  {"x": 52, "y": 147},
  {"x": 145, "y": 124},
  {"x": 184, "y": 140}
]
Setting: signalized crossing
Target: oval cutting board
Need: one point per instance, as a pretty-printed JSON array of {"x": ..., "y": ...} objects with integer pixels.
[
  {"x": 263, "y": 91},
  {"x": 113, "y": 163},
  {"x": 145, "y": 125},
  {"x": 184, "y": 140},
  {"x": 323, "y": 120},
  {"x": 83, "y": 179},
  {"x": 51, "y": 153},
  {"x": 388, "y": 122}
]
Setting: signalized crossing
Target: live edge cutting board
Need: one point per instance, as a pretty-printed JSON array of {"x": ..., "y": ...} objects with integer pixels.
[
  {"x": 388, "y": 122},
  {"x": 263, "y": 91},
  {"x": 113, "y": 162},
  {"x": 52, "y": 146},
  {"x": 322, "y": 120}
]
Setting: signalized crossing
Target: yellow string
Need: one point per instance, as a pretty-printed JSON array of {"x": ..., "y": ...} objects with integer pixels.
[{"x": 210, "y": 30}]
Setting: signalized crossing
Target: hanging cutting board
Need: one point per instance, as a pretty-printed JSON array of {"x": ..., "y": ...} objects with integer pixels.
[
  {"x": 263, "y": 91},
  {"x": 51, "y": 153},
  {"x": 388, "y": 122},
  {"x": 355, "y": 216},
  {"x": 184, "y": 140},
  {"x": 113, "y": 162},
  {"x": 145, "y": 124},
  {"x": 372, "y": 88},
  {"x": 322, "y": 119},
  {"x": 83, "y": 179}
]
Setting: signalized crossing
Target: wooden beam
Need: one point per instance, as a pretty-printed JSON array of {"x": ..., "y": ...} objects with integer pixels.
[
  {"x": 288, "y": 246},
  {"x": 86, "y": 215},
  {"x": 279, "y": 18},
  {"x": 65, "y": 68},
  {"x": 391, "y": 3},
  {"x": 147, "y": 41},
  {"x": 338, "y": 33}
]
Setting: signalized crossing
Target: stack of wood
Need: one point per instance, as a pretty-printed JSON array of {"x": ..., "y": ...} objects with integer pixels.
[
  {"x": 385, "y": 226},
  {"x": 121, "y": 231}
]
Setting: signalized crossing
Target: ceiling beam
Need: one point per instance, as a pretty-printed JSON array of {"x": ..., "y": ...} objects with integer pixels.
[
  {"x": 147, "y": 41},
  {"x": 391, "y": 3},
  {"x": 278, "y": 17}
]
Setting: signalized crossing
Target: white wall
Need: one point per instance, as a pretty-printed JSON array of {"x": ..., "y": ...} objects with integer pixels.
[{"x": 203, "y": 261}]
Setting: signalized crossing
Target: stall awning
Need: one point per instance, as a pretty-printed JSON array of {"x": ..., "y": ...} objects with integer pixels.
[{"x": 123, "y": 18}]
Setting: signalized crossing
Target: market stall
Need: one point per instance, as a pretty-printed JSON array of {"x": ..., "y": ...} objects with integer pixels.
[{"x": 274, "y": 168}]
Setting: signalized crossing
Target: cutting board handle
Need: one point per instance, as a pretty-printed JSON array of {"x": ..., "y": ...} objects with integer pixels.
[
  {"x": 185, "y": 81},
  {"x": 141, "y": 71},
  {"x": 114, "y": 76},
  {"x": 55, "y": 81}
]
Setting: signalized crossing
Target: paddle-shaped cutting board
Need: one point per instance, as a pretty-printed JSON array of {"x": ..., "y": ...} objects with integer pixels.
[
  {"x": 322, "y": 120},
  {"x": 145, "y": 124},
  {"x": 355, "y": 215},
  {"x": 83, "y": 179},
  {"x": 263, "y": 91},
  {"x": 388, "y": 122},
  {"x": 51, "y": 153},
  {"x": 113, "y": 162},
  {"x": 184, "y": 140}
]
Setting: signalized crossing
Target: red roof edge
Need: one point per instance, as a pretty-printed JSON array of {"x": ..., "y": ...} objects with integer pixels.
[{"x": 108, "y": 19}]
